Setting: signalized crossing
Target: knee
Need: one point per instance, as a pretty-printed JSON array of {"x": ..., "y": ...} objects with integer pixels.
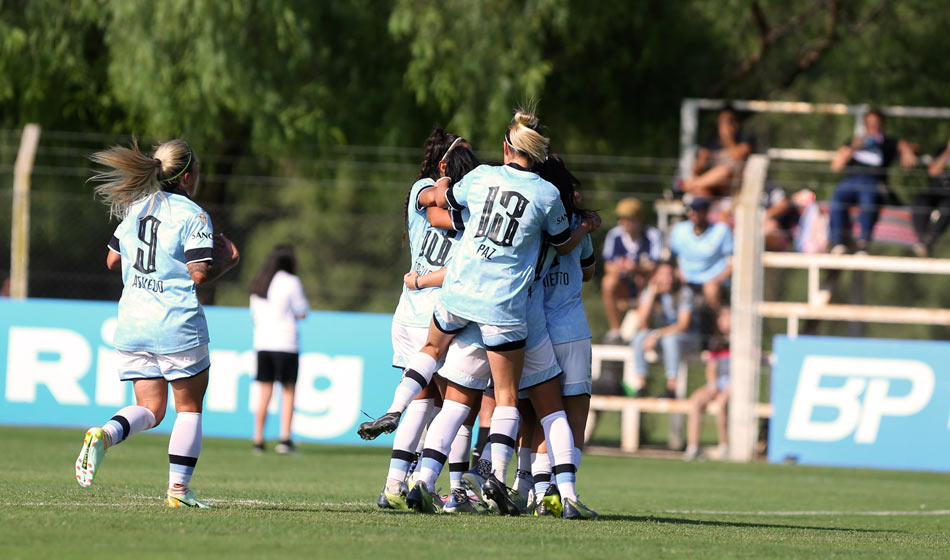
[{"x": 158, "y": 413}]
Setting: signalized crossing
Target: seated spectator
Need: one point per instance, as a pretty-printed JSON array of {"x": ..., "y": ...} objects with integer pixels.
[
  {"x": 719, "y": 163},
  {"x": 715, "y": 390},
  {"x": 664, "y": 312},
  {"x": 781, "y": 217},
  {"x": 704, "y": 252},
  {"x": 630, "y": 255},
  {"x": 865, "y": 160},
  {"x": 931, "y": 206}
]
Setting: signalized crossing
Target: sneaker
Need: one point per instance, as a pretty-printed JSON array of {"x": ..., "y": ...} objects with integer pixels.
[
  {"x": 395, "y": 495},
  {"x": 188, "y": 499},
  {"x": 258, "y": 449},
  {"x": 422, "y": 500},
  {"x": 550, "y": 504},
  {"x": 285, "y": 447},
  {"x": 921, "y": 250},
  {"x": 668, "y": 394},
  {"x": 459, "y": 502},
  {"x": 474, "y": 480},
  {"x": 612, "y": 337},
  {"x": 839, "y": 249},
  {"x": 385, "y": 424},
  {"x": 90, "y": 457},
  {"x": 574, "y": 509},
  {"x": 525, "y": 504},
  {"x": 382, "y": 502},
  {"x": 495, "y": 495},
  {"x": 691, "y": 453}
]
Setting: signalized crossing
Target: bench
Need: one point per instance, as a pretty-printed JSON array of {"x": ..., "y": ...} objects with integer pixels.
[{"x": 630, "y": 409}]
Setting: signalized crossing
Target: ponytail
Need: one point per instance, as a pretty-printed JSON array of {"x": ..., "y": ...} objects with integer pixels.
[{"x": 523, "y": 136}]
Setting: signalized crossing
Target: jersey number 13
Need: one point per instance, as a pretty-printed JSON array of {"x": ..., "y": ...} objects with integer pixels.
[{"x": 498, "y": 227}]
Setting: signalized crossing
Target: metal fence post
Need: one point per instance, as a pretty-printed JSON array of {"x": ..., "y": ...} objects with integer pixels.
[
  {"x": 746, "y": 337},
  {"x": 20, "y": 229}
]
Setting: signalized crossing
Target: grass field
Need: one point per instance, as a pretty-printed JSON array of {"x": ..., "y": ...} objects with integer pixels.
[{"x": 321, "y": 504}]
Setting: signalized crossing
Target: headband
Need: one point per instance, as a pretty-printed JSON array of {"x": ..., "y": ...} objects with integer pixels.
[
  {"x": 183, "y": 169},
  {"x": 452, "y": 145}
]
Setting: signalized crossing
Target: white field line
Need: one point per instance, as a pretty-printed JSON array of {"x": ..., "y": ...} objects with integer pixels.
[{"x": 805, "y": 513}]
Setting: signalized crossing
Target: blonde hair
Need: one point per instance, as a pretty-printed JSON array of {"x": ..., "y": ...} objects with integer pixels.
[
  {"x": 523, "y": 135},
  {"x": 135, "y": 175}
]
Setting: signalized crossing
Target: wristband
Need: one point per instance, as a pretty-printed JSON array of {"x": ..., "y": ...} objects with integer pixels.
[{"x": 416, "y": 282}]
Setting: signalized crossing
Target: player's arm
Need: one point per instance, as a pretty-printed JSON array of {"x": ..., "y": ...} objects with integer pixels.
[
  {"x": 443, "y": 219},
  {"x": 436, "y": 196},
  {"x": 590, "y": 222},
  {"x": 114, "y": 256},
  {"x": 414, "y": 281},
  {"x": 224, "y": 256},
  {"x": 588, "y": 260}
]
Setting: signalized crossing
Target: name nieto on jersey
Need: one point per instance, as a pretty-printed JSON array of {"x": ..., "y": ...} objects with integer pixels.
[
  {"x": 150, "y": 284},
  {"x": 552, "y": 279}
]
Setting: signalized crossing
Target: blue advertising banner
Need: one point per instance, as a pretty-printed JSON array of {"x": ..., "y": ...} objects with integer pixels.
[
  {"x": 57, "y": 369},
  {"x": 861, "y": 402}
]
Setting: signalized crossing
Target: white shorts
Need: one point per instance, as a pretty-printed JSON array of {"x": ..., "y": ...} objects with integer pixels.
[
  {"x": 176, "y": 365},
  {"x": 495, "y": 337},
  {"x": 406, "y": 342},
  {"x": 574, "y": 358},
  {"x": 466, "y": 365},
  {"x": 540, "y": 365}
]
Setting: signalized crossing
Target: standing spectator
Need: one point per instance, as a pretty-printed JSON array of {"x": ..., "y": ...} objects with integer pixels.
[
  {"x": 630, "y": 255},
  {"x": 935, "y": 199},
  {"x": 670, "y": 305},
  {"x": 719, "y": 163},
  {"x": 704, "y": 252},
  {"x": 865, "y": 160},
  {"x": 277, "y": 303},
  {"x": 715, "y": 390}
]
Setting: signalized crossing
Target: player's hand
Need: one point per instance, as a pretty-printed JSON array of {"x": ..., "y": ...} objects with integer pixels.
[
  {"x": 591, "y": 220},
  {"x": 410, "y": 279},
  {"x": 224, "y": 251}
]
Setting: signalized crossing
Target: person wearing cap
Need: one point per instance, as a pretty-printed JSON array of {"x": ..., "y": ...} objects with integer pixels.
[
  {"x": 630, "y": 254},
  {"x": 704, "y": 252}
]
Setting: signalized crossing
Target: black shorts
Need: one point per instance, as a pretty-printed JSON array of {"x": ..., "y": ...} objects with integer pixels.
[{"x": 277, "y": 366}]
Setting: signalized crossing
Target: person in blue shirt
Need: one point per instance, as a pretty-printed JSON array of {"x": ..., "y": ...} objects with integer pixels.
[
  {"x": 703, "y": 252},
  {"x": 165, "y": 247}
]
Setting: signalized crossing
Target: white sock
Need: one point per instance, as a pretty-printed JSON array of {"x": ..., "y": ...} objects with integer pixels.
[
  {"x": 415, "y": 378},
  {"x": 541, "y": 472},
  {"x": 560, "y": 441},
  {"x": 577, "y": 458},
  {"x": 433, "y": 412},
  {"x": 128, "y": 422},
  {"x": 458, "y": 456},
  {"x": 523, "y": 479},
  {"x": 504, "y": 428},
  {"x": 407, "y": 437},
  {"x": 184, "y": 446},
  {"x": 439, "y": 440}
]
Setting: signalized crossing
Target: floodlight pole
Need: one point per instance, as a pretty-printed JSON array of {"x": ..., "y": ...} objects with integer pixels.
[
  {"x": 745, "y": 341},
  {"x": 20, "y": 229}
]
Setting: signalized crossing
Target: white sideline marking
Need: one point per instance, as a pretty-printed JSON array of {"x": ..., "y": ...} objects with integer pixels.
[
  {"x": 137, "y": 500},
  {"x": 803, "y": 513}
]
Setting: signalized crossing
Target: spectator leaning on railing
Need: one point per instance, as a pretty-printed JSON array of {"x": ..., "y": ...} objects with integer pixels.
[
  {"x": 865, "y": 160},
  {"x": 931, "y": 206},
  {"x": 630, "y": 255},
  {"x": 704, "y": 252}
]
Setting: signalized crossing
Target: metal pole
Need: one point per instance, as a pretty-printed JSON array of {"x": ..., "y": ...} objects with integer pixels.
[
  {"x": 689, "y": 127},
  {"x": 20, "y": 230},
  {"x": 745, "y": 340}
]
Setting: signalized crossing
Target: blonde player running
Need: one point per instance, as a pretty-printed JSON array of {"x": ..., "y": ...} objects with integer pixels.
[{"x": 165, "y": 246}]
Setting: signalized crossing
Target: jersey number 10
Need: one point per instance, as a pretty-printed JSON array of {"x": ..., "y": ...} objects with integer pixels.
[
  {"x": 148, "y": 235},
  {"x": 492, "y": 225}
]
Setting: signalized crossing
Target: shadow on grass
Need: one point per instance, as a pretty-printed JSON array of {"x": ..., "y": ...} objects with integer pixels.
[{"x": 737, "y": 524}]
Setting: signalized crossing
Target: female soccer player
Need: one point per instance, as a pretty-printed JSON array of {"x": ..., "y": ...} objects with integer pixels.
[
  {"x": 432, "y": 236},
  {"x": 277, "y": 303},
  {"x": 165, "y": 246}
]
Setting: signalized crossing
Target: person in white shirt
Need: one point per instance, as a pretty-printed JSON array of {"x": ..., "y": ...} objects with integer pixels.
[{"x": 277, "y": 303}]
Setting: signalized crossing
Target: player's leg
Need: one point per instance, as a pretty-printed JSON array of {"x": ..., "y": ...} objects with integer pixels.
[
  {"x": 184, "y": 445},
  {"x": 150, "y": 396},
  {"x": 405, "y": 443},
  {"x": 458, "y": 464},
  {"x": 524, "y": 482}
]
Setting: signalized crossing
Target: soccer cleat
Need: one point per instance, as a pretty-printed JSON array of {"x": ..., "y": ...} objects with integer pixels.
[
  {"x": 385, "y": 424},
  {"x": 520, "y": 502},
  {"x": 395, "y": 496},
  {"x": 459, "y": 502},
  {"x": 90, "y": 457},
  {"x": 286, "y": 447},
  {"x": 188, "y": 499},
  {"x": 495, "y": 495},
  {"x": 574, "y": 509},
  {"x": 550, "y": 504},
  {"x": 422, "y": 500}
]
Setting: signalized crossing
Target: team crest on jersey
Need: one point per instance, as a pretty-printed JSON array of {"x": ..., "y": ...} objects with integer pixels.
[{"x": 203, "y": 218}]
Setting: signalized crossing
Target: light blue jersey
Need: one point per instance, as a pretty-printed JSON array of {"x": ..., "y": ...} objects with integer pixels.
[
  {"x": 563, "y": 307},
  {"x": 701, "y": 257},
  {"x": 159, "y": 310},
  {"x": 431, "y": 249},
  {"x": 510, "y": 209}
]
